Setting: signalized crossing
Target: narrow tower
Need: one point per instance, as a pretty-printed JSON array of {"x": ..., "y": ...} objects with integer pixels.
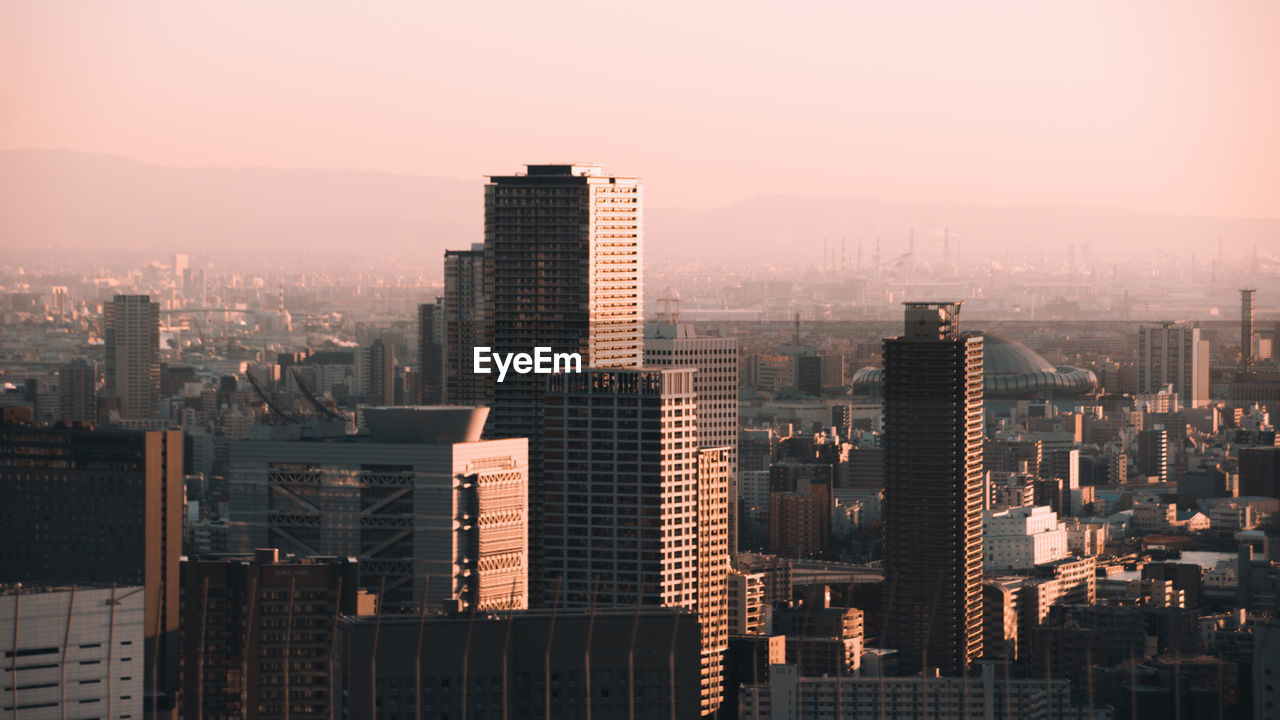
[{"x": 933, "y": 428}]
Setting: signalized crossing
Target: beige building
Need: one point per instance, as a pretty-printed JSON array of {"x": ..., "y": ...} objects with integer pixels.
[
  {"x": 633, "y": 511},
  {"x": 1173, "y": 354}
]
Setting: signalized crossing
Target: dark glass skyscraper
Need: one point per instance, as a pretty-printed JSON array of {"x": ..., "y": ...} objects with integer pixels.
[
  {"x": 562, "y": 270},
  {"x": 933, "y": 429}
]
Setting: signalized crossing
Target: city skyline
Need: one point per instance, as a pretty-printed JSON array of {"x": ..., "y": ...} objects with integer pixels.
[{"x": 615, "y": 366}]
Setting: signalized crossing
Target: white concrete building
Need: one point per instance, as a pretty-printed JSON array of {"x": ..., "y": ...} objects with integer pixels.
[
  {"x": 1021, "y": 538},
  {"x": 76, "y": 652}
]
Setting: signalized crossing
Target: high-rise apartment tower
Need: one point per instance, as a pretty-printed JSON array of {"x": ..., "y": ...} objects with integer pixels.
[
  {"x": 933, "y": 429},
  {"x": 131, "y": 330}
]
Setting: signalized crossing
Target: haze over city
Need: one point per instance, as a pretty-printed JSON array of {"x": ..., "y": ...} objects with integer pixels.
[{"x": 846, "y": 361}]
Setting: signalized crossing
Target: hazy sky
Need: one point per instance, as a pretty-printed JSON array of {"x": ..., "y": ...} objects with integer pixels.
[{"x": 1168, "y": 105}]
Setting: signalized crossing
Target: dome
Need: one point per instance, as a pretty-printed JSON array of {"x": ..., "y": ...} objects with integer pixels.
[
  {"x": 1009, "y": 370},
  {"x": 1005, "y": 357}
]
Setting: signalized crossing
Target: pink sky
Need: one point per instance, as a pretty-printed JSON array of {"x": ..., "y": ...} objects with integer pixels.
[{"x": 1168, "y": 106}]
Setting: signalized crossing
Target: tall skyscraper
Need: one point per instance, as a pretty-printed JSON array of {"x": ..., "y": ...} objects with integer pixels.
[
  {"x": 99, "y": 506},
  {"x": 562, "y": 248},
  {"x": 933, "y": 430},
  {"x": 463, "y": 324},
  {"x": 1173, "y": 354},
  {"x": 131, "y": 330},
  {"x": 716, "y": 382},
  {"x": 632, "y": 512},
  {"x": 421, "y": 495},
  {"x": 1246, "y": 326},
  {"x": 76, "y": 385},
  {"x": 430, "y": 353}
]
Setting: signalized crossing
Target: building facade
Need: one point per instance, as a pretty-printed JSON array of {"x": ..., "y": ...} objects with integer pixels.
[
  {"x": 257, "y": 634},
  {"x": 420, "y": 496},
  {"x": 431, "y": 329},
  {"x": 73, "y": 651},
  {"x": 632, "y": 511},
  {"x": 716, "y": 359},
  {"x": 933, "y": 431},
  {"x": 463, "y": 324},
  {"x": 1173, "y": 354},
  {"x": 562, "y": 270},
  {"x": 131, "y": 331},
  {"x": 99, "y": 506}
]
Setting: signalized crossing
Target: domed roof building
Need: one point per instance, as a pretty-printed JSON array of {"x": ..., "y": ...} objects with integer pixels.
[{"x": 1011, "y": 370}]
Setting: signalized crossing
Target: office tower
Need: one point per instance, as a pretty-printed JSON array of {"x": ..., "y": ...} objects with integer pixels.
[
  {"x": 131, "y": 330},
  {"x": 430, "y": 354},
  {"x": 933, "y": 426},
  {"x": 463, "y": 324},
  {"x": 631, "y": 511},
  {"x": 562, "y": 270},
  {"x": 376, "y": 372},
  {"x": 1155, "y": 453},
  {"x": 1173, "y": 354},
  {"x": 716, "y": 382},
  {"x": 74, "y": 651},
  {"x": 610, "y": 663},
  {"x": 1246, "y": 326},
  {"x": 76, "y": 387},
  {"x": 256, "y": 627},
  {"x": 421, "y": 495},
  {"x": 99, "y": 506}
]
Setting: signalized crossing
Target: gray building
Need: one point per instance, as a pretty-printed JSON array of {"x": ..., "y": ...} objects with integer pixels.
[
  {"x": 131, "y": 331},
  {"x": 420, "y": 495},
  {"x": 541, "y": 664},
  {"x": 463, "y": 325}
]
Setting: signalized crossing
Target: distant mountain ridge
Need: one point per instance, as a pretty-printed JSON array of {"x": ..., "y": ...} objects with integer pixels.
[{"x": 66, "y": 201}]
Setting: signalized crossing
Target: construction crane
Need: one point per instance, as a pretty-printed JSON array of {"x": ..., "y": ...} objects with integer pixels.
[
  {"x": 315, "y": 401},
  {"x": 273, "y": 404}
]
